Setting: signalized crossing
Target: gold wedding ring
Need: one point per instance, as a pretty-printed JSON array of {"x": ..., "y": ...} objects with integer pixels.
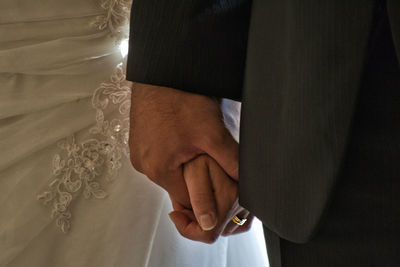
[{"x": 239, "y": 221}]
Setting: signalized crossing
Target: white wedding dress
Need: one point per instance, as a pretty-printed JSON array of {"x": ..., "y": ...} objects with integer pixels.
[{"x": 68, "y": 193}]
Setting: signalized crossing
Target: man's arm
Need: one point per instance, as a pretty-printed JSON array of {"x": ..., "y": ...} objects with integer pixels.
[{"x": 198, "y": 46}]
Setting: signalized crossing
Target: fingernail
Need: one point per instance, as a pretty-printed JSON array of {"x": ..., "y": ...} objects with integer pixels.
[{"x": 207, "y": 221}]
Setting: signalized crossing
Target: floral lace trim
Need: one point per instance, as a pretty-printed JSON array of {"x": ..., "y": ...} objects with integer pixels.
[
  {"x": 116, "y": 18},
  {"x": 78, "y": 169}
]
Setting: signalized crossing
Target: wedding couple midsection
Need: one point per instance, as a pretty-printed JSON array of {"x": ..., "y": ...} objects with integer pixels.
[
  {"x": 114, "y": 161},
  {"x": 70, "y": 195}
]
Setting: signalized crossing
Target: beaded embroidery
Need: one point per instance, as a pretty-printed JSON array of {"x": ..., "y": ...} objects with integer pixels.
[{"x": 77, "y": 169}]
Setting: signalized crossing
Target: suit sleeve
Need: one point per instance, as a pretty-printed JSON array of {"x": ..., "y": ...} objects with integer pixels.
[{"x": 198, "y": 46}]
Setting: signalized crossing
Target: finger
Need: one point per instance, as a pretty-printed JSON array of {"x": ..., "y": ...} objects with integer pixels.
[
  {"x": 226, "y": 189},
  {"x": 188, "y": 212},
  {"x": 196, "y": 175},
  {"x": 246, "y": 227},
  {"x": 231, "y": 226},
  {"x": 189, "y": 228},
  {"x": 176, "y": 205},
  {"x": 241, "y": 229},
  {"x": 226, "y": 192},
  {"x": 226, "y": 199},
  {"x": 225, "y": 150},
  {"x": 175, "y": 185},
  {"x": 160, "y": 172}
]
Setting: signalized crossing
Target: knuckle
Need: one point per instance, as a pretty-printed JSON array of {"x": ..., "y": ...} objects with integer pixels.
[
  {"x": 147, "y": 163},
  {"x": 202, "y": 200},
  {"x": 182, "y": 232},
  {"x": 210, "y": 139},
  {"x": 150, "y": 173},
  {"x": 142, "y": 164},
  {"x": 136, "y": 163},
  {"x": 201, "y": 159},
  {"x": 211, "y": 238}
]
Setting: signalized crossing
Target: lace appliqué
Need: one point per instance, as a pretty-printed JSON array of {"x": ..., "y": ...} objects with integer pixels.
[
  {"x": 116, "y": 17},
  {"x": 79, "y": 168}
]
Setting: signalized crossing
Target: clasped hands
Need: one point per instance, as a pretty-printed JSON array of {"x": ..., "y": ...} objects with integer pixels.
[{"x": 179, "y": 140}]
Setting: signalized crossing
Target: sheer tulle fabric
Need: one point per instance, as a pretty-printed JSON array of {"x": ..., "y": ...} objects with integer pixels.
[{"x": 63, "y": 124}]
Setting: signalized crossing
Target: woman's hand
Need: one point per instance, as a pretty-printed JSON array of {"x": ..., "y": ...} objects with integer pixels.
[{"x": 214, "y": 199}]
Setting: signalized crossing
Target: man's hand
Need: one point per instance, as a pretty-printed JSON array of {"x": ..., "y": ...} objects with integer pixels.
[
  {"x": 212, "y": 194},
  {"x": 171, "y": 127}
]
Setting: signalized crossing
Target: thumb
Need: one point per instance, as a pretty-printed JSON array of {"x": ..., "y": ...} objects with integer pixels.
[{"x": 201, "y": 192}]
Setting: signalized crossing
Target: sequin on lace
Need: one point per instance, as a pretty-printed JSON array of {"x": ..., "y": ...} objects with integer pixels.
[{"x": 80, "y": 167}]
